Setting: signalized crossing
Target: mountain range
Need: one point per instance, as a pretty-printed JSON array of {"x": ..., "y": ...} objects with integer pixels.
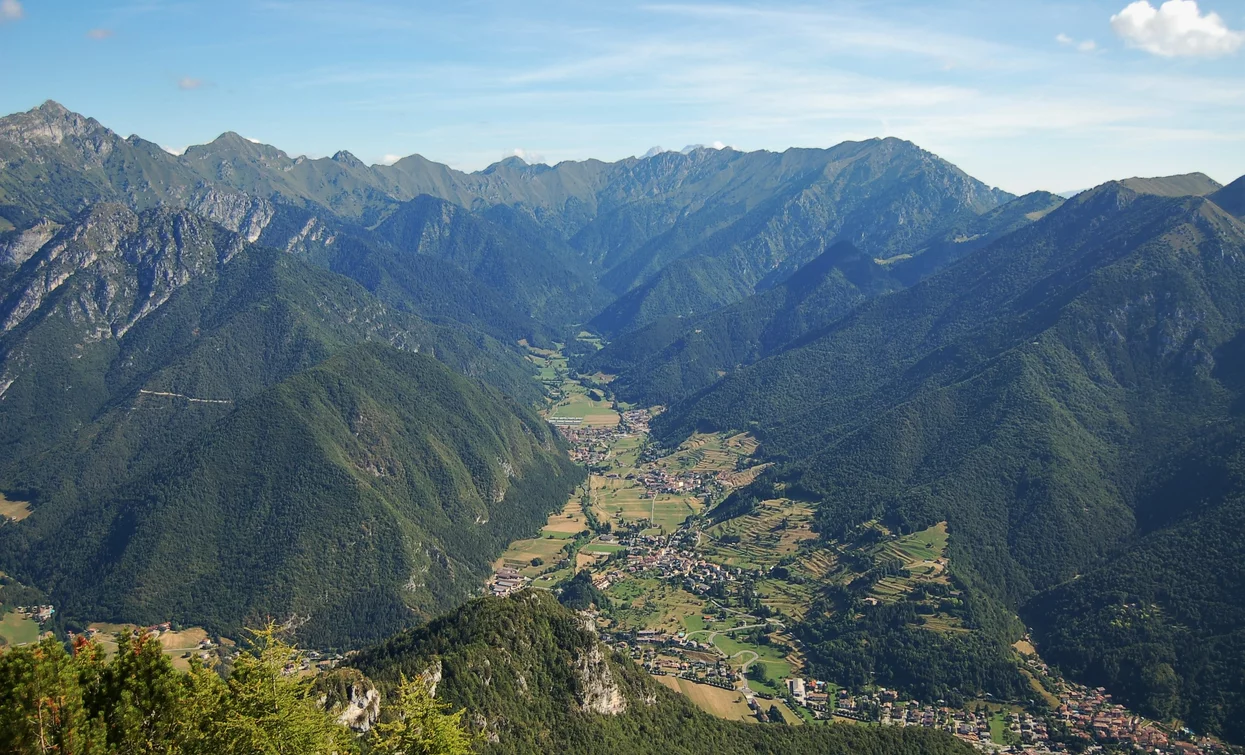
[{"x": 236, "y": 384}]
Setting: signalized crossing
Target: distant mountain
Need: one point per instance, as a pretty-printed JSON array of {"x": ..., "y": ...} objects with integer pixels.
[
  {"x": 779, "y": 212},
  {"x": 675, "y": 357},
  {"x": 732, "y": 221},
  {"x": 1232, "y": 198},
  {"x": 1189, "y": 185},
  {"x": 534, "y": 680},
  {"x": 534, "y": 271},
  {"x": 1024, "y": 395}
]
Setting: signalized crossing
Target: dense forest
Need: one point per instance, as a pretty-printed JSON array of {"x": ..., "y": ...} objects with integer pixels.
[
  {"x": 533, "y": 679},
  {"x": 135, "y": 703}
]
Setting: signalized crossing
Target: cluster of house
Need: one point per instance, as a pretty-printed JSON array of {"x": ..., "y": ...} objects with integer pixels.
[
  {"x": 41, "y": 614},
  {"x": 698, "y": 574},
  {"x": 1089, "y": 714},
  {"x": 635, "y": 421},
  {"x": 658, "y": 481},
  {"x": 590, "y": 446},
  {"x": 312, "y": 660},
  {"x": 1085, "y": 714},
  {"x": 505, "y": 581}
]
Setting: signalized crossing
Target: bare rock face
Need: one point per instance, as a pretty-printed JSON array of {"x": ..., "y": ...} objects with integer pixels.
[
  {"x": 240, "y": 213},
  {"x": 23, "y": 244},
  {"x": 52, "y": 124},
  {"x": 351, "y": 697},
  {"x": 112, "y": 267},
  {"x": 599, "y": 690}
]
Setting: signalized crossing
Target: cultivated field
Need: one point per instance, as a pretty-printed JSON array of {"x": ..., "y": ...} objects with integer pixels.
[
  {"x": 179, "y": 646},
  {"x": 550, "y": 546},
  {"x": 773, "y": 530}
]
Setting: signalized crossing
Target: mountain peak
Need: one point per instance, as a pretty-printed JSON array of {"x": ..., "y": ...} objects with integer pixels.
[
  {"x": 52, "y": 107},
  {"x": 1186, "y": 185},
  {"x": 345, "y": 158}
]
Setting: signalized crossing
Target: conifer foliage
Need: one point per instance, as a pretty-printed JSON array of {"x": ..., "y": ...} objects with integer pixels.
[{"x": 82, "y": 702}]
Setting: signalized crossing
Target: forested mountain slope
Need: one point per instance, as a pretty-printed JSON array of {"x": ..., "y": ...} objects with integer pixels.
[
  {"x": 1021, "y": 395},
  {"x": 1162, "y": 620},
  {"x": 674, "y": 357},
  {"x": 360, "y": 494},
  {"x": 133, "y": 339},
  {"x": 884, "y": 196},
  {"x": 538, "y": 273},
  {"x": 534, "y": 680}
]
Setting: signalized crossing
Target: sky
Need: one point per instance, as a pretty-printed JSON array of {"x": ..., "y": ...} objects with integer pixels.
[{"x": 1022, "y": 94}]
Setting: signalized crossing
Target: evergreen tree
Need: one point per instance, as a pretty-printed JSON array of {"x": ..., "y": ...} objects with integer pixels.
[{"x": 421, "y": 725}]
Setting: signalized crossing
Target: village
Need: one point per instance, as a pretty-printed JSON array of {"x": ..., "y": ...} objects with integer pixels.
[{"x": 673, "y": 614}]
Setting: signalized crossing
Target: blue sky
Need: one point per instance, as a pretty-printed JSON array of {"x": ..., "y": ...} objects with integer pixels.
[{"x": 1023, "y": 95}]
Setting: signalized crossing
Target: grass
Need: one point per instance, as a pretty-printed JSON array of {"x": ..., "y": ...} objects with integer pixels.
[
  {"x": 15, "y": 510},
  {"x": 927, "y": 545},
  {"x": 16, "y": 629},
  {"x": 997, "y": 725},
  {"x": 601, "y": 548},
  {"x": 723, "y": 703},
  {"x": 1040, "y": 690},
  {"x": 577, "y": 403}
]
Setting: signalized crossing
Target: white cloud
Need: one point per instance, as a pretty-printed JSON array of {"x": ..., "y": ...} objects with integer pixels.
[
  {"x": 390, "y": 159},
  {"x": 10, "y": 10},
  {"x": 527, "y": 156},
  {"x": 100, "y": 33},
  {"x": 1176, "y": 28},
  {"x": 1087, "y": 45},
  {"x": 187, "y": 84},
  {"x": 179, "y": 151},
  {"x": 252, "y": 141},
  {"x": 719, "y": 145}
]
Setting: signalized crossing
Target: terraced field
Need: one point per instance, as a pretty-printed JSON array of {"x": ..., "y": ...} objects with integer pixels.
[{"x": 774, "y": 530}]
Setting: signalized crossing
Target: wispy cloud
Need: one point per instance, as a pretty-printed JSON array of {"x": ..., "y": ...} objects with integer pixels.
[
  {"x": 188, "y": 84},
  {"x": 1176, "y": 28},
  {"x": 11, "y": 10},
  {"x": 1087, "y": 45},
  {"x": 100, "y": 33}
]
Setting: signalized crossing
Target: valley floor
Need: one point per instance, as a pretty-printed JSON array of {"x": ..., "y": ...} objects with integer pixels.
[{"x": 706, "y": 607}]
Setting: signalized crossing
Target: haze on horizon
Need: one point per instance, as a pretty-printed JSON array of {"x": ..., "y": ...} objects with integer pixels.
[{"x": 1049, "y": 95}]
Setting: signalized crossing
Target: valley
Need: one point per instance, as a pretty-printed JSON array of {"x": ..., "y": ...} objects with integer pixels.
[
  {"x": 835, "y": 434},
  {"x": 713, "y": 609}
]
